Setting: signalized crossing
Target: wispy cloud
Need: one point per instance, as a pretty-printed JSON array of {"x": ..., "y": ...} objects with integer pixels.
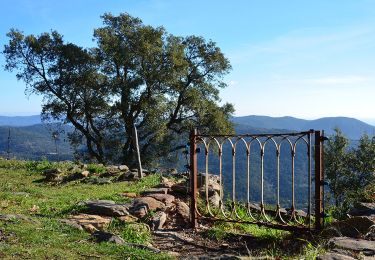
[{"x": 339, "y": 80}]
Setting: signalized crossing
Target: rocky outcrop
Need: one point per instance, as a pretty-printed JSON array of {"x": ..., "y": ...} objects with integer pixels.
[
  {"x": 356, "y": 227},
  {"x": 365, "y": 247},
  {"x": 90, "y": 223},
  {"x": 363, "y": 209}
]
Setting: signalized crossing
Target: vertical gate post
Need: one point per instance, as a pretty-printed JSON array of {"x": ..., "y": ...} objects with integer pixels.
[
  {"x": 319, "y": 181},
  {"x": 193, "y": 178}
]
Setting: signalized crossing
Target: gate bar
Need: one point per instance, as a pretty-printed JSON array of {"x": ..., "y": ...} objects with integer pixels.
[
  {"x": 319, "y": 181},
  {"x": 193, "y": 178}
]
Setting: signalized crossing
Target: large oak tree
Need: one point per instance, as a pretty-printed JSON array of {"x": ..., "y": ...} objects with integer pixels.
[{"x": 136, "y": 75}]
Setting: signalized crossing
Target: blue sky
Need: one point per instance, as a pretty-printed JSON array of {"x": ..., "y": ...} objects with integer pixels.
[{"x": 307, "y": 59}]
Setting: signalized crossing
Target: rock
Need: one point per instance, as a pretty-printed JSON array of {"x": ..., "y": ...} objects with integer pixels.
[
  {"x": 334, "y": 256},
  {"x": 85, "y": 173},
  {"x": 363, "y": 209},
  {"x": 139, "y": 211},
  {"x": 127, "y": 176},
  {"x": 90, "y": 228},
  {"x": 123, "y": 168},
  {"x": 167, "y": 199},
  {"x": 183, "y": 210},
  {"x": 129, "y": 194},
  {"x": 141, "y": 206},
  {"x": 214, "y": 200},
  {"x": 355, "y": 226},
  {"x": 166, "y": 183},
  {"x": 155, "y": 190},
  {"x": 89, "y": 221},
  {"x": 101, "y": 236},
  {"x": 72, "y": 224},
  {"x": 149, "y": 202},
  {"x": 179, "y": 188},
  {"x": 212, "y": 180},
  {"x": 158, "y": 220},
  {"x": 301, "y": 213},
  {"x": 52, "y": 174},
  {"x": 255, "y": 207},
  {"x": 106, "y": 208},
  {"x": 128, "y": 219},
  {"x": 112, "y": 169},
  {"x": 357, "y": 245}
]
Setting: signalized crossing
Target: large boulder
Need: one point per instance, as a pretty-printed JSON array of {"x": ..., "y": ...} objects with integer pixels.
[
  {"x": 106, "y": 208},
  {"x": 363, "y": 209},
  {"x": 354, "y": 227},
  {"x": 52, "y": 174},
  {"x": 141, "y": 206}
]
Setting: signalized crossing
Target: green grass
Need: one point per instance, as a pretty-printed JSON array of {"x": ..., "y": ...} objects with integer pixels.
[{"x": 23, "y": 192}]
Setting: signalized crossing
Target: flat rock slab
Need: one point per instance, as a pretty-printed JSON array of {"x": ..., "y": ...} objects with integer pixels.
[
  {"x": 358, "y": 245},
  {"x": 84, "y": 220},
  {"x": 334, "y": 256},
  {"x": 106, "y": 208}
]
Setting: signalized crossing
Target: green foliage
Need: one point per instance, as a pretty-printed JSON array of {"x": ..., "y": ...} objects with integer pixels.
[
  {"x": 138, "y": 233},
  {"x": 45, "y": 236},
  {"x": 96, "y": 168},
  {"x": 350, "y": 172},
  {"x": 136, "y": 75}
]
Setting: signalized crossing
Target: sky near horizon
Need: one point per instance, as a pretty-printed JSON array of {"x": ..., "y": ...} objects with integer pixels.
[{"x": 307, "y": 59}]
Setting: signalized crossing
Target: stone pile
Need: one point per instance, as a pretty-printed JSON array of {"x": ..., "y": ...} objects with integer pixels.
[
  {"x": 158, "y": 207},
  {"x": 355, "y": 236},
  {"x": 83, "y": 173}
]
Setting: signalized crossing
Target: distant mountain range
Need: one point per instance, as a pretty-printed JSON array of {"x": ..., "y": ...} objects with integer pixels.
[
  {"x": 34, "y": 142},
  {"x": 30, "y": 139},
  {"x": 20, "y": 120},
  {"x": 351, "y": 127}
]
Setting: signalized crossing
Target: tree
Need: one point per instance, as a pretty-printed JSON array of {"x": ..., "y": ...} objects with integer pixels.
[
  {"x": 350, "y": 171},
  {"x": 136, "y": 75},
  {"x": 337, "y": 172}
]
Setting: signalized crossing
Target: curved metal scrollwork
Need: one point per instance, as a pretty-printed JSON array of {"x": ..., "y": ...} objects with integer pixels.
[{"x": 228, "y": 207}]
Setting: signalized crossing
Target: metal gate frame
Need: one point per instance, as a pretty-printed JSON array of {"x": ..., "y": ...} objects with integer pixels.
[{"x": 318, "y": 180}]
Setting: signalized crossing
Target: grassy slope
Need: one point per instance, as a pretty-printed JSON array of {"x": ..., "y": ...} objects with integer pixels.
[{"x": 47, "y": 238}]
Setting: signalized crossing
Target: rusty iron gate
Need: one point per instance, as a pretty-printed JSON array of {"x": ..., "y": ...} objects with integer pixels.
[{"x": 272, "y": 215}]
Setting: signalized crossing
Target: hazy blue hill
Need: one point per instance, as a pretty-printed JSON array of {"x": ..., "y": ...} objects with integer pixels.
[
  {"x": 268, "y": 122},
  {"x": 351, "y": 127},
  {"x": 19, "y": 120},
  {"x": 35, "y": 142}
]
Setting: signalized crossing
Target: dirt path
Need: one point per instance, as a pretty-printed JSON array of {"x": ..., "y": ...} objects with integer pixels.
[{"x": 188, "y": 244}]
